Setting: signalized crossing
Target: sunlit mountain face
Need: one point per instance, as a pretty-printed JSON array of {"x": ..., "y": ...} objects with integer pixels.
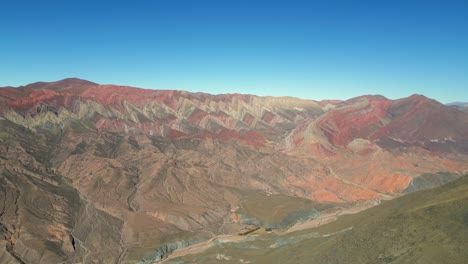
[{"x": 114, "y": 174}]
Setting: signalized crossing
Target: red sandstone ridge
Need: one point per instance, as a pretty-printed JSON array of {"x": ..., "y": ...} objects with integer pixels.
[
  {"x": 413, "y": 119},
  {"x": 420, "y": 118},
  {"x": 360, "y": 118},
  {"x": 365, "y": 140},
  {"x": 139, "y": 168},
  {"x": 181, "y": 113}
]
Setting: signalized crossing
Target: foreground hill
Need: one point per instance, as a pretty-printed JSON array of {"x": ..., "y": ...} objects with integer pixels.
[
  {"x": 424, "y": 227},
  {"x": 106, "y": 173}
]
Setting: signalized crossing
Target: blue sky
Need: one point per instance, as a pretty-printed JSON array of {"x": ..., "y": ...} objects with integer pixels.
[{"x": 308, "y": 49}]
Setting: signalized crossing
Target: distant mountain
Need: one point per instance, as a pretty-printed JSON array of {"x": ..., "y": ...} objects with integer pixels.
[
  {"x": 108, "y": 173},
  {"x": 461, "y": 104}
]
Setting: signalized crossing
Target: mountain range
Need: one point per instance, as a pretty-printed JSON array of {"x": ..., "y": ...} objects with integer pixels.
[
  {"x": 114, "y": 174},
  {"x": 460, "y": 105}
]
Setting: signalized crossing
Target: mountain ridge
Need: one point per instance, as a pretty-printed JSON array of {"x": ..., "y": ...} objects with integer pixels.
[{"x": 147, "y": 168}]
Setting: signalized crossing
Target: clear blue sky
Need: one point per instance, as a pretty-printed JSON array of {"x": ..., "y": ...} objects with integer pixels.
[{"x": 309, "y": 49}]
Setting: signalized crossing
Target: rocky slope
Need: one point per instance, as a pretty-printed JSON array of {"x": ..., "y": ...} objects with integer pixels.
[{"x": 105, "y": 173}]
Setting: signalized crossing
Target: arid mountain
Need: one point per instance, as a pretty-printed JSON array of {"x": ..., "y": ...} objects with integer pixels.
[{"x": 104, "y": 173}]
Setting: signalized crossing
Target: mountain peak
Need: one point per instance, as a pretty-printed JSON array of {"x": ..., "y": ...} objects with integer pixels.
[
  {"x": 418, "y": 96},
  {"x": 68, "y": 85},
  {"x": 76, "y": 81}
]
